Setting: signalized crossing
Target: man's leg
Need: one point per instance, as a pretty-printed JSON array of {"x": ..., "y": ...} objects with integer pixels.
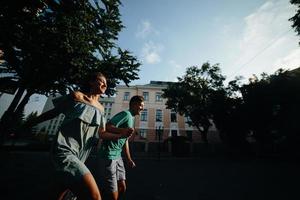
[
  {"x": 121, "y": 189},
  {"x": 107, "y": 178},
  {"x": 121, "y": 177}
]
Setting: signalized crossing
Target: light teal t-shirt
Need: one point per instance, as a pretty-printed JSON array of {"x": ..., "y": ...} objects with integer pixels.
[{"x": 112, "y": 149}]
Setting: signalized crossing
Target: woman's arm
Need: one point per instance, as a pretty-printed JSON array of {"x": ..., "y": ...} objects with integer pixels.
[{"x": 103, "y": 134}]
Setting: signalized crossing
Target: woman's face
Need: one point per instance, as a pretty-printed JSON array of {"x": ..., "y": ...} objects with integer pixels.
[{"x": 99, "y": 85}]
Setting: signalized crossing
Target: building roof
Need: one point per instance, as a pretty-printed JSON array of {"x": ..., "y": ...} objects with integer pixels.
[
  {"x": 107, "y": 99},
  {"x": 152, "y": 84}
]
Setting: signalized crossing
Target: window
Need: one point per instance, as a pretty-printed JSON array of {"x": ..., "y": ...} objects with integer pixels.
[
  {"x": 158, "y": 96},
  {"x": 146, "y": 96},
  {"x": 144, "y": 115},
  {"x": 173, "y": 133},
  {"x": 143, "y": 133},
  {"x": 187, "y": 119},
  {"x": 173, "y": 116},
  {"x": 126, "y": 96},
  {"x": 158, "y": 116},
  {"x": 107, "y": 112},
  {"x": 159, "y": 131}
]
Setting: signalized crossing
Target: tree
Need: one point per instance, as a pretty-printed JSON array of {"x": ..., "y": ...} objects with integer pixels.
[
  {"x": 50, "y": 46},
  {"x": 267, "y": 108},
  {"x": 296, "y": 18},
  {"x": 272, "y": 105},
  {"x": 191, "y": 95}
]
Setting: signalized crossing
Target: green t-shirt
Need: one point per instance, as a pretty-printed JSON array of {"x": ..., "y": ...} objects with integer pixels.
[{"x": 111, "y": 149}]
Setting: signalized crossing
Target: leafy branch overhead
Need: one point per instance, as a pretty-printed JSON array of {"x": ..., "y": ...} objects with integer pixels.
[
  {"x": 296, "y": 18},
  {"x": 51, "y": 45}
]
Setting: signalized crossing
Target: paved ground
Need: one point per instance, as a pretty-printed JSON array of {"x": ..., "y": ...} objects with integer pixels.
[{"x": 25, "y": 175}]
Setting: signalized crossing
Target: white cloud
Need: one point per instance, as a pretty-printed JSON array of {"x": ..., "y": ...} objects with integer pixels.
[
  {"x": 151, "y": 52},
  {"x": 176, "y": 70},
  {"x": 267, "y": 37},
  {"x": 145, "y": 28},
  {"x": 175, "y": 65},
  {"x": 291, "y": 61},
  {"x": 270, "y": 20},
  {"x": 171, "y": 70}
]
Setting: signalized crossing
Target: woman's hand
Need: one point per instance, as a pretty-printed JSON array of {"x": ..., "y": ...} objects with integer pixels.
[{"x": 126, "y": 132}]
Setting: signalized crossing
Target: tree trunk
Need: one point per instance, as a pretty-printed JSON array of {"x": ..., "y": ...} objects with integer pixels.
[
  {"x": 23, "y": 103},
  {"x": 13, "y": 104},
  {"x": 203, "y": 134}
]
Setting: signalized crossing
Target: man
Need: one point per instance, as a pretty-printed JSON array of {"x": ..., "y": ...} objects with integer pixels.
[{"x": 111, "y": 167}]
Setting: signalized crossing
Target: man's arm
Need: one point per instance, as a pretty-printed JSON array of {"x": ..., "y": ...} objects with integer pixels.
[
  {"x": 105, "y": 135},
  {"x": 113, "y": 133},
  {"x": 122, "y": 131},
  {"x": 127, "y": 154}
]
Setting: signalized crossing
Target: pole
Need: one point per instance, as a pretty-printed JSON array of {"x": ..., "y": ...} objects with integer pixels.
[{"x": 158, "y": 133}]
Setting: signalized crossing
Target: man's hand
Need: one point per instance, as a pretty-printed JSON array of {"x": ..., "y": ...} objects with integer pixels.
[
  {"x": 127, "y": 132},
  {"x": 131, "y": 164}
]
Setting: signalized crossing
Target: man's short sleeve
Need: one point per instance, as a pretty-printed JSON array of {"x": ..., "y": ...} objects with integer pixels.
[{"x": 119, "y": 119}]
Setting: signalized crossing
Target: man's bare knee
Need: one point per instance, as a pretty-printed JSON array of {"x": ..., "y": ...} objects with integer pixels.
[{"x": 121, "y": 186}]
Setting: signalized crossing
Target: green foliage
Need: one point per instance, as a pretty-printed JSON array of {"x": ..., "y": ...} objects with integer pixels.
[
  {"x": 266, "y": 107},
  {"x": 29, "y": 130},
  {"x": 296, "y": 18},
  {"x": 192, "y": 94},
  {"x": 50, "y": 46},
  {"x": 269, "y": 107}
]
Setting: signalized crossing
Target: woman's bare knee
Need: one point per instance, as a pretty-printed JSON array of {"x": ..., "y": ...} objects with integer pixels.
[{"x": 88, "y": 188}]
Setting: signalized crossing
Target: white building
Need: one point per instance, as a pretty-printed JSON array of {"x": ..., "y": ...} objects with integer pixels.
[{"x": 156, "y": 117}]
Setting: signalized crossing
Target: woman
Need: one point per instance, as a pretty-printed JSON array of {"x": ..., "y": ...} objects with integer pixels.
[{"x": 84, "y": 121}]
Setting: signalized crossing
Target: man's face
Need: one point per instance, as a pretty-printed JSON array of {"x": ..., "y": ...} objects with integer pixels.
[{"x": 137, "y": 108}]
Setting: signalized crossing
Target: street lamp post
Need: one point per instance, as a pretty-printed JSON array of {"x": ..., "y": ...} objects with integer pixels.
[{"x": 159, "y": 132}]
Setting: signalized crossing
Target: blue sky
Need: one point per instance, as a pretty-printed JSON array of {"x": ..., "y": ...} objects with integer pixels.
[
  {"x": 167, "y": 36},
  {"x": 244, "y": 37}
]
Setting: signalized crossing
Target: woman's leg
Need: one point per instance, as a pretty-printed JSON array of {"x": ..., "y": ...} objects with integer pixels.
[
  {"x": 86, "y": 188},
  {"x": 62, "y": 194},
  {"x": 56, "y": 193}
]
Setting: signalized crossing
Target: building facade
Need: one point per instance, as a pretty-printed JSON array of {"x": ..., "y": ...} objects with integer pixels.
[
  {"x": 157, "y": 126},
  {"x": 156, "y": 122}
]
